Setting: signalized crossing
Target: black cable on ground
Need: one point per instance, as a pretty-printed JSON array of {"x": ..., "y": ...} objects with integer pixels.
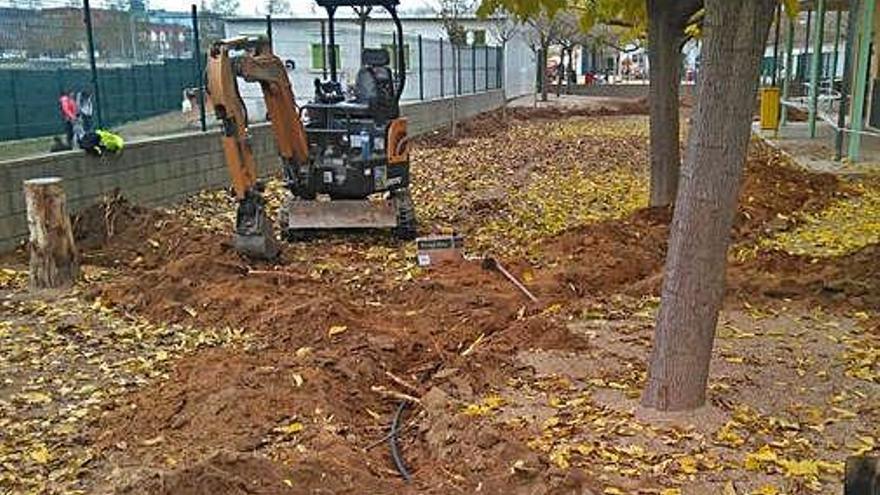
[{"x": 392, "y": 441}]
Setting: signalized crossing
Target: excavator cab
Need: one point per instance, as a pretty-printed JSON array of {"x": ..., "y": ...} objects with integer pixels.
[
  {"x": 358, "y": 145},
  {"x": 345, "y": 159}
]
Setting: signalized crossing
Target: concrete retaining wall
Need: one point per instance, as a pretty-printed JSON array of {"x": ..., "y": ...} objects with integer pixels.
[
  {"x": 163, "y": 170},
  {"x": 614, "y": 90}
]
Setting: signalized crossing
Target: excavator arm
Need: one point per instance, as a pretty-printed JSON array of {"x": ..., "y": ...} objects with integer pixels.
[{"x": 251, "y": 59}]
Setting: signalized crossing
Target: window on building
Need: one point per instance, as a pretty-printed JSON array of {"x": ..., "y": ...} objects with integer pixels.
[
  {"x": 318, "y": 57},
  {"x": 479, "y": 37},
  {"x": 393, "y": 56}
]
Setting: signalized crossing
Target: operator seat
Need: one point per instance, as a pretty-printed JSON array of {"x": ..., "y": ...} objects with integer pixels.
[{"x": 374, "y": 85}]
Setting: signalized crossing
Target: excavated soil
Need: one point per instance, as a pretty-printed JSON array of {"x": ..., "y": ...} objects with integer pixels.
[{"x": 331, "y": 349}]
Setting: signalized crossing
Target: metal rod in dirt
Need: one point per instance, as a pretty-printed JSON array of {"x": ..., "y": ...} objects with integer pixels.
[
  {"x": 197, "y": 54},
  {"x": 491, "y": 263},
  {"x": 90, "y": 37}
]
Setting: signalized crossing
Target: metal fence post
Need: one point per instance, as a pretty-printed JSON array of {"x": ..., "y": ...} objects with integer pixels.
[
  {"x": 15, "y": 116},
  {"x": 197, "y": 53},
  {"x": 269, "y": 32},
  {"x": 486, "y": 64},
  {"x": 776, "y": 46},
  {"x": 442, "y": 75},
  {"x": 87, "y": 19},
  {"x": 499, "y": 67},
  {"x": 421, "y": 70},
  {"x": 456, "y": 50},
  {"x": 474, "y": 67}
]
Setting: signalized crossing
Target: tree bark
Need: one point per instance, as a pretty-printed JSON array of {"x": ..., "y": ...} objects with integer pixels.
[
  {"x": 54, "y": 262},
  {"x": 693, "y": 285},
  {"x": 665, "y": 31}
]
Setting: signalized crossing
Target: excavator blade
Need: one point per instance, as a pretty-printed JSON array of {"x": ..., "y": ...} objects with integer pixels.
[{"x": 339, "y": 214}]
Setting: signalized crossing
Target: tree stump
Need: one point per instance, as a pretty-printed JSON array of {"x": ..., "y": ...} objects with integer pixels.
[{"x": 54, "y": 262}]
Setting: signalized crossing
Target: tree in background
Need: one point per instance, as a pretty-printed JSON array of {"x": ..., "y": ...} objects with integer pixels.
[
  {"x": 277, "y": 7},
  {"x": 363, "y": 14},
  {"x": 569, "y": 35},
  {"x": 224, "y": 7},
  {"x": 667, "y": 22},
  {"x": 543, "y": 30},
  {"x": 503, "y": 27},
  {"x": 451, "y": 12}
]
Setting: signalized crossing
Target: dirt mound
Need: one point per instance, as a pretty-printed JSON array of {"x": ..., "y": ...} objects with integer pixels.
[
  {"x": 606, "y": 257},
  {"x": 221, "y": 474},
  {"x": 99, "y": 223},
  {"x": 774, "y": 188},
  {"x": 628, "y": 254},
  {"x": 848, "y": 281}
]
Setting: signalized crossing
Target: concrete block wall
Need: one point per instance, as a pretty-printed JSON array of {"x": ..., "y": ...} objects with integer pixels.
[
  {"x": 430, "y": 115},
  {"x": 615, "y": 90},
  {"x": 160, "y": 171}
]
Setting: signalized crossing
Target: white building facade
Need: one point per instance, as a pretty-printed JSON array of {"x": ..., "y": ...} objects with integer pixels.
[{"x": 430, "y": 66}]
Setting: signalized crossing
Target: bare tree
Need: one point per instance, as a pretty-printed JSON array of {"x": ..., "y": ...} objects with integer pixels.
[
  {"x": 363, "y": 14},
  {"x": 543, "y": 30},
  {"x": 274, "y": 7},
  {"x": 224, "y": 7},
  {"x": 569, "y": 35},
  {"x": 504, "y": 27},
  {"x": 451, "y": 12}
]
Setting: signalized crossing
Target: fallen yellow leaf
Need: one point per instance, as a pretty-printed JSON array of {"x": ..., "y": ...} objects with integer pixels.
[
  {"x": 687, "y": 464},
  {"x": 40, "y": 454},
  {"x": 291, "y": 429},
  {"x": 336, "y": 330},
  {"x": 755, "y": 460},
  {"x": 766, "y": 490}
]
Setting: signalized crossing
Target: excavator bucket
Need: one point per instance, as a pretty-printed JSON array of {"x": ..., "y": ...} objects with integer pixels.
[
  {"x": 254, "y": 235},
  {"x": 339, "y": 214}
]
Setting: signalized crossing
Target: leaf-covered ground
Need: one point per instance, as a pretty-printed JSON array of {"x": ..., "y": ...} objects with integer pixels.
[{"x": 177, "y": 367}]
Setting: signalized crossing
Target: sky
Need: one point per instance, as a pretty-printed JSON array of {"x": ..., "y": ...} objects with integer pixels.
[{"x": 255, "y": 7}]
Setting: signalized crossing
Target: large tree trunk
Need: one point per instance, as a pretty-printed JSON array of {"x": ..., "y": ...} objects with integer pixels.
[
  {"x": 693, "y": 285},
  {"x": 665, "y": 32},
  {"x": 54, "y": 262}
]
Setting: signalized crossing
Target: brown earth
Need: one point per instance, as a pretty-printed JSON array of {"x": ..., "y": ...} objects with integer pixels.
[{"x": 311, "y": 393}]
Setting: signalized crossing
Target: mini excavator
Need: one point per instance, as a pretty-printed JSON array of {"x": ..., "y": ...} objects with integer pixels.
[{"x": 337, "y": 153}]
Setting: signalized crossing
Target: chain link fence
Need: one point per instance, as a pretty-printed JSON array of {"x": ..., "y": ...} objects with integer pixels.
[{"x": 122, "y": 65}]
